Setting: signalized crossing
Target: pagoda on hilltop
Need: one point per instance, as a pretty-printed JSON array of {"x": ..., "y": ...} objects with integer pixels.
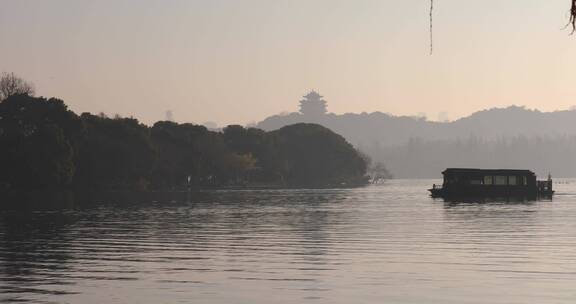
[{"x": 313, "y": 104}]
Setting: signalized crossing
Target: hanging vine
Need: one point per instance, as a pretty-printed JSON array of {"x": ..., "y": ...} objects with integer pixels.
[
  {"x": 431, "y": 29},
  {"x": 572, "y": 21}
]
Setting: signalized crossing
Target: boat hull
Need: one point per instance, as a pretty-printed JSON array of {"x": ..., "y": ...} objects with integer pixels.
[{"x": 489, "y": 192}]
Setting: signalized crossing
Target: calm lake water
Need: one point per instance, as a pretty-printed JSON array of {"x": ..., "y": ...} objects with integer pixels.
[{"x": 379, "y": 244}]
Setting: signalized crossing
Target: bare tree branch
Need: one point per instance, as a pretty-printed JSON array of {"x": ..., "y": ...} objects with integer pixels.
[{"x": 11, "y": 84}]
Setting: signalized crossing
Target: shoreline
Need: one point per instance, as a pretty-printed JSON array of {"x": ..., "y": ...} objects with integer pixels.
[{"x": 70, "y": 198}]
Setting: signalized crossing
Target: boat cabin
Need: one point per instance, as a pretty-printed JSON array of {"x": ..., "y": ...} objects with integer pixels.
[{"x": 491, "y": 182}]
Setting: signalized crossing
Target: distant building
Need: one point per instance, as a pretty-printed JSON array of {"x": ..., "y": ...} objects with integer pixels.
[
  {"x": 313, "y": 104},
  {"x": 443, "y": 117},
  {"x": 169, "y": 116},
  {"x": 210, "y": 125}
]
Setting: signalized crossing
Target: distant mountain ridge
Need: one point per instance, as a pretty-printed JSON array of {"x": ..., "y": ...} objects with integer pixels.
[
  {"x": 366, "y": 128},
  {"x": 387, "y": 138}
]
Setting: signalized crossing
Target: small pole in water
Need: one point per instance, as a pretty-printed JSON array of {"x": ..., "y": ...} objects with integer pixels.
[{"x": 188, "y": 193}]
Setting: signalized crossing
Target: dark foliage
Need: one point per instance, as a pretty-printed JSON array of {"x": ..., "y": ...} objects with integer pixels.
[
  {"x": 44, "y": 145},
  {"x": 36, "y": 137},
  {"x": 314, "y": 155},
  {"x": 116, "y": 153}
]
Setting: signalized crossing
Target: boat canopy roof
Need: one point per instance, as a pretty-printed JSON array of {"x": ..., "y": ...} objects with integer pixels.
[{"x": 470, "y": 171}]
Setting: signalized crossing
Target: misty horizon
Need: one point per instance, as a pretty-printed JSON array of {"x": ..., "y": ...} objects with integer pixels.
[
  {"x": 287, "y": 151},
  {"x": 254, "y": 58},
  {"x": 442, "y": 116}
]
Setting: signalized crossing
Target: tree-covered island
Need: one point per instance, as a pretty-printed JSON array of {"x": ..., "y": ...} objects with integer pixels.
[{"x": 44, "y": 145}]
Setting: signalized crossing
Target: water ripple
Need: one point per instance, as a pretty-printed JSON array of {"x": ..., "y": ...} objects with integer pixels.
[{"x": 389, "y": 243}]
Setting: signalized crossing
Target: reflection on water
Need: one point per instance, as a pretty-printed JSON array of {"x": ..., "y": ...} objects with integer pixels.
[{"x": 389, "y": 243}]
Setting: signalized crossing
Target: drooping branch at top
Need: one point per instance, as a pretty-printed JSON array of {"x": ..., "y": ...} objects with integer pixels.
[
  {"x": 571, "y": 23},
  {"x": 572, "y": 17},
  {"x": 431, "y": 29}
]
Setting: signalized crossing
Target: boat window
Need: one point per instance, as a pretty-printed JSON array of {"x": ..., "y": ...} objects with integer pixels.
[
  {"x": 476, "y": 182},
  {"x": 500, "y": 180},
  {"x": 524, "y": 181},
  {"x": 488, "y": 180},
  {"x": 512, "y": 180}
]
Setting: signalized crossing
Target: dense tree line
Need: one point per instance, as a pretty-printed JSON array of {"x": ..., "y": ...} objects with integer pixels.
[
  {"x": 420, "y": 158},
  {"x": 365, "y": 129},
  {"x": 43, "y": 145},
  {"x": 412, "y": 147}
]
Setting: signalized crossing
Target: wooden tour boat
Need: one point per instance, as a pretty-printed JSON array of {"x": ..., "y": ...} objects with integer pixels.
[{"x": 462, "y": 182}]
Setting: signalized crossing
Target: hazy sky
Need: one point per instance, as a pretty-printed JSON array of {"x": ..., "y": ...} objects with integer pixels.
[{"x": 237, "y": 61}]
